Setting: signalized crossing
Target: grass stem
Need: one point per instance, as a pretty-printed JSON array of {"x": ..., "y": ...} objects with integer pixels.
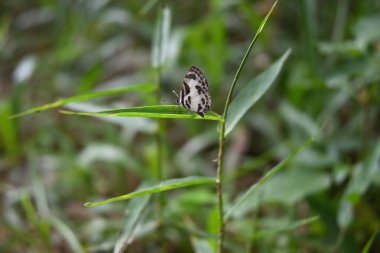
[{"x": 219, "y": 176}]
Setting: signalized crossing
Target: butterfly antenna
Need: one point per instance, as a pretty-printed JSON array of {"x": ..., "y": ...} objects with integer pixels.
[{"x": 175, "y": 93}]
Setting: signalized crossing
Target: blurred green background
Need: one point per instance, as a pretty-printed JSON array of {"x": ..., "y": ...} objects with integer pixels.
[{"x": 51, "y": 164}]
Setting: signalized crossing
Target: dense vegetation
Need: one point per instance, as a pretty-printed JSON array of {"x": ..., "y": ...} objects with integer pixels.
[{"x": 300, "y": 143}]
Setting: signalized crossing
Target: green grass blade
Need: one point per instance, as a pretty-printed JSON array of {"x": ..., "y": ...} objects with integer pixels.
[
  {"x": 244, "y": 60},
  {"x": 361, "y": 178},
  {"x": 298, "y": 119},
  {"x": 163, "y": 186},
  {"x": 146, "y": 87},
  {"x": 157, "y": 111},
  {"x": 68, "y": 234},
  {"x": 265, "y": 179},
  {"x": 369, "y": 243},
  {"x": 33, "y": 218},
  {"x": 135, "y": 211},
  {"x": 288, "y": 227},
  {"x": 252, "y": 92},
  {"x": 161, "y": 37}
]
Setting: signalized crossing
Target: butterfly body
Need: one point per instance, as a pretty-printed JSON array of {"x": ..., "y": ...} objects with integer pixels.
[{"x": 194, "y": 94}]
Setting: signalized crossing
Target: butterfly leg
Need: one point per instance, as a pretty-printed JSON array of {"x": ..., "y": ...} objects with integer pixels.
[{"x": 201, "y": 114}]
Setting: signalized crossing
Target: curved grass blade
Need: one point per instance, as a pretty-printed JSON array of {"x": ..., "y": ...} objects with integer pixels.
[
  {"x": 265, "y": 179},
  {"x": 252, "y": 92},
  {"x": 160, "y": 187},
  {"x": 146, "y": 87},
  {"x": 157, "y": 111}
]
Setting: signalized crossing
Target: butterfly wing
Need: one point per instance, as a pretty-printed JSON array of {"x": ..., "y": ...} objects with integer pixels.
[{"x": 194, "y": 94}]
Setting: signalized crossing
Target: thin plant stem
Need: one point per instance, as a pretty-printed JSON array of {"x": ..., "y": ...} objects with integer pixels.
[
  {"x": 219, "y": 187},
  {"x": 342, "y": 11},
  {"x": 222, "y": 124}
]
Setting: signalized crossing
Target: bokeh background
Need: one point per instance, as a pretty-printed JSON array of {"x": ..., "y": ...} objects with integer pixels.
[{"x": 326, "y": 200}]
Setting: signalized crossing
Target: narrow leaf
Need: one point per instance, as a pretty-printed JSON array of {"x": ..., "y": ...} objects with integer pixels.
[
  {"x": 312, "y": 182},
  {"x": 67, "y": 234},
  {"x": 299, "y": 119},
  {"x": 252, "y": 92},
  {"x": 130, "y": 125},
  {"x": 135, "y": 210},
  {"x": 253, "y": 189},
  {"x": 163, "y": 186},
  {"x": 369, "y": 243},
  {"x": 161, "y": 37},
  {"x": 288, "y": 227},
  {"x": 361, "y": 179},
  {"x": 137, "y": 87},
  {"x": 157, "y": 111}
]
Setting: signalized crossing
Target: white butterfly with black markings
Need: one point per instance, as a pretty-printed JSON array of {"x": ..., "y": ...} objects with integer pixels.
[{"x": 194, "y": 93}]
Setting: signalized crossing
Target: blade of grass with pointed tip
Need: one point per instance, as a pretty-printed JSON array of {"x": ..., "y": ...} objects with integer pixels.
[
  {"x": 146, "y": 87},
  {"x": 158, "y": 111},
  {"x": 265, "y": 179},
  {"x": 252, "y": 92},
  {"x": 135, "y": 210},
  {"x": 163, "y": 186}
]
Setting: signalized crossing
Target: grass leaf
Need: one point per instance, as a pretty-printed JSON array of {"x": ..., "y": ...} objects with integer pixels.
[
  {"x": 160, "y": 187},
  {"x": 369, "y": 243},
  {"x": 161, "y": 37},
  {"x": 252, "y": 92},
  {"x": 288, "y": 227},
  {"x": 68, "y": 234},
  {"x": 362, "y": 176},
  {"x": 157, "y": 111},
  {"x": 135, "y": 211},
  {"x": 265, "y": 179},
  {"x": 137, "y": 87}
]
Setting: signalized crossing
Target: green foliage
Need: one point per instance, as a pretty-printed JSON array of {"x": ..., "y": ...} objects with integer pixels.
[
  {"x": 236, "y": 207},
  {"x": 135, "y": 213},
  {"x": 67, "y": 234},
  {"x": 252, "y": 92},
  {"x": 369, "y": 243},
  {"x": 162, "y": 186},
  {"x": 118, "y": 62},
  {"x": 138, "y": 87},
  {"x": 158, "y": 111}
]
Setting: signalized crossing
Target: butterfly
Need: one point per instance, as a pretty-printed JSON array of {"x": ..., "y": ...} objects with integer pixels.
[{"x": 194, "y": 93}]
